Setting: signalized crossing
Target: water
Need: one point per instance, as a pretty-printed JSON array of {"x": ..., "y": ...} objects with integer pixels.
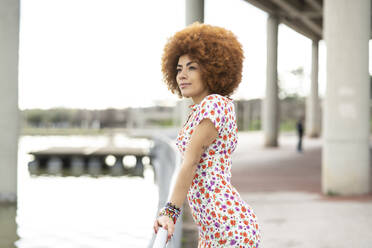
[{"x": 81, "y": 212}]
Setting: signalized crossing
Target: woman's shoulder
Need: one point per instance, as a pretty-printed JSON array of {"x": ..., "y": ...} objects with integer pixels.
[{"x": 217, "y": 99}]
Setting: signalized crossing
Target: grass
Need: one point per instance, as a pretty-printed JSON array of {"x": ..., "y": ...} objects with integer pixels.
[
  {"x": 61, "y": 131},
  {"x": 332, "y": 193},
  {"x": 288, "y": 125}
]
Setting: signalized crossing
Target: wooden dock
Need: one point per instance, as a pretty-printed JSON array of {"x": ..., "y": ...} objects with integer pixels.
[{"x": 94, "y": 161}]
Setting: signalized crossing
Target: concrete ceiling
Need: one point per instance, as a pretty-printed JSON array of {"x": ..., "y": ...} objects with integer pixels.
[{"x": 304, "y": 16}]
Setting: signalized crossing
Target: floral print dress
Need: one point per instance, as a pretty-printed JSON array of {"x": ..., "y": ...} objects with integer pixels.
[{"x": 223, "y": 218}]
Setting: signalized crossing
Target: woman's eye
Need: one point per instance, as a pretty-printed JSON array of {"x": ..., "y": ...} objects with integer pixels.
[{"x": 190, "y": 68}]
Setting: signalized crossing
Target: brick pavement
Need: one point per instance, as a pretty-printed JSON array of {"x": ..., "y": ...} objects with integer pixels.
[{"x": 284, "y": 189}]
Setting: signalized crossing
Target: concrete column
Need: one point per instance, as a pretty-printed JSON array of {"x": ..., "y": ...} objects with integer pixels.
[
  {"x": 270, "y": 114},
  {"x": 9, "y": 113},
  {"x": 312, "y": 105},
  {"x": 246, "y": 115},
  {"x": 183, "y": 111},
  {"x": 194, "y": 11},
  {"x": 345, "y": 160},
  {"x": 8, "y": 225}
]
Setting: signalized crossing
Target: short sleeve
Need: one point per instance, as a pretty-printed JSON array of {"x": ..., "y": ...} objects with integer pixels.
[{"x": 212, "y": 107}]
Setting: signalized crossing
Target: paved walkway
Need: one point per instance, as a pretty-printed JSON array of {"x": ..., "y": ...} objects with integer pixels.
[{"x": 284, "y": 189}]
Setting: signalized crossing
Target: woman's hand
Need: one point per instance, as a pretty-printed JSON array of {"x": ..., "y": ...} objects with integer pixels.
[{"x": 165, "y": 222}]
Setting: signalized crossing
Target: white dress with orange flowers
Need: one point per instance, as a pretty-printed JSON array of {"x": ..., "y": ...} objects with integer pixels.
[{"x": 224, "y": 219}]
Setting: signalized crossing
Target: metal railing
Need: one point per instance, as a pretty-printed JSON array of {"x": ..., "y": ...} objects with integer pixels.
[{"x": 166, "y": 162}]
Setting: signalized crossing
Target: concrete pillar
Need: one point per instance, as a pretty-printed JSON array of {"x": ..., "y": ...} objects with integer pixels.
[
  {"x": 246, "y": 115},
  {"x": 312, "y": 127},
  {"x": 8, "y": 226},
  {"x": 345, "y": 160},
  {"x": 270, "y": 109},
  {"x": 9, "y": 113},
  {"x": 182, "y": 111},
  {"x": 194, "y": 11}
]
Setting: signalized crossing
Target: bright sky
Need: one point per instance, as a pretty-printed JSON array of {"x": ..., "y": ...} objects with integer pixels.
[{"x": 106, "y": 53}]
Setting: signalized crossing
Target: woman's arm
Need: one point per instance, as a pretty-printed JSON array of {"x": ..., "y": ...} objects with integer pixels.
[{"x": 204, "y": 135}]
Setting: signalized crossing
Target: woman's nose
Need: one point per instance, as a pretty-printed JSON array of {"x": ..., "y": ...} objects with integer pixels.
[{"x": 182, "y": 74}]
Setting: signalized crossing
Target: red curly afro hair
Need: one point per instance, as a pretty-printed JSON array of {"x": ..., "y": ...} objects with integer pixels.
[{"x": 215, "y": 49}]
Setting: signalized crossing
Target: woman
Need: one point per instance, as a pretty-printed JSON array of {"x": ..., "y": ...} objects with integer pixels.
[{"x": 204, "y": 62}]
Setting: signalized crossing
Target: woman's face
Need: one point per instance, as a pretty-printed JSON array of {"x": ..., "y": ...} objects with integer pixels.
[{"x": 189, "y": 78}]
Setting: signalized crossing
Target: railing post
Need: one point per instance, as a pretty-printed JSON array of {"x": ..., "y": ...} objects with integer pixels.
[{"x": 166, "y": 161}]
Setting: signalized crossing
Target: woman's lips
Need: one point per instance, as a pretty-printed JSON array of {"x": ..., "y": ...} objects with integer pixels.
[{"x": 184, "y": 85}]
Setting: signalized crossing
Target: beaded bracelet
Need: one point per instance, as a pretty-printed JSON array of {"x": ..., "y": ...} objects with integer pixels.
[
  {"x": 171, "y": 211},
  {"x": 170, "y": 205}
]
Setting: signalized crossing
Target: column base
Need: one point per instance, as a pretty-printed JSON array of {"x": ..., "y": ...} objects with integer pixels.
[
  {"x": 8, "y": 198},
  {"x": 346, "y": 168}
]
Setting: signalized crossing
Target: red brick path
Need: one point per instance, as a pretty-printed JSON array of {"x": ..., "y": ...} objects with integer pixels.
[{"x": 296, "y": 173}]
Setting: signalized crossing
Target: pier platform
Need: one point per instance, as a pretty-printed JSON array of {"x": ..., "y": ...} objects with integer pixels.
[{"x": 284, "y": 189}]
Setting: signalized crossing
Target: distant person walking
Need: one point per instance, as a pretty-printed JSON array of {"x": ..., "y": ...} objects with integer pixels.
[
  {"x": 300, "y": 133},
  {"x": 204, "y": 62}
]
